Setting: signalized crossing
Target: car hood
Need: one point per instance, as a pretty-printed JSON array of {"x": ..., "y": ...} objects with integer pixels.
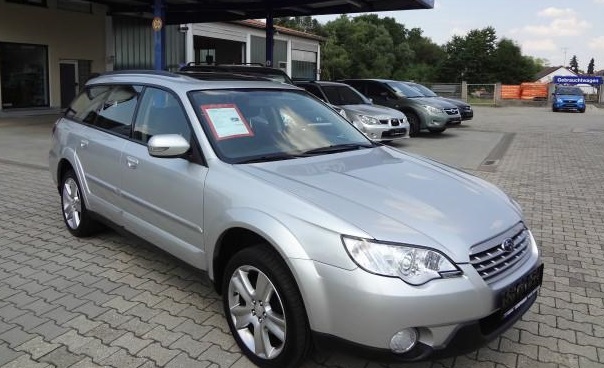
[
  {"x": 393, "y": 196},
  {"x": 455, "y": 102},
  {"x": 431, "y": 101},
  {"x": 569, "y": 97},
  {"x": 379, "y": 112}
]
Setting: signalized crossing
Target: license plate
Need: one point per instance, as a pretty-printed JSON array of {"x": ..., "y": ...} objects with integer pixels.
[{"x": 514, "y": 296}]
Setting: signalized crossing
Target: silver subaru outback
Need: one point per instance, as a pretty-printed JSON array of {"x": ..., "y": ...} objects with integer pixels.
[{"x": 309, "y": 230}]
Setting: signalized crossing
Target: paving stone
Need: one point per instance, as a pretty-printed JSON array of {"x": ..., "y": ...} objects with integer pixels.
[
  {"x": 90, "y": 309},
  {"x": 82, "y": 324},
  {"x": 96, "y": 350},
  {"x": 166, "y": 319},
  {"x": 10, "y": 312},
  {"x": 196, "y": 331},
  {"x": 193, "y": 347},
  {"x": 183, "y": 361},
  {"x": 49, "y": 330},
  {"x": 163, "y": 336},
  {"x": 29, "y": 321},
  {"x": 105, "y": 333},
  {"x": 16, "y": 336},
  {"x": 158, "y": 354},
  {"x": 60, "y": 315},
  {"x": 37, "y": 347},
  {"x": 121, "y": 358},
  {"x": 24, "y": 361},
  {"x": 7, "y": 354},
  {"x": 131, "y": 343},
  {"x": 216, "y": 354},
  {"x": 137, "y": 326}
]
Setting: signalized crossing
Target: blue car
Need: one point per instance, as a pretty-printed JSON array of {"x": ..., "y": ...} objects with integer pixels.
[{"x": 568, "y": 98}]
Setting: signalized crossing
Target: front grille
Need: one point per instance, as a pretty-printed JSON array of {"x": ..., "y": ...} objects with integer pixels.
[
  {"x": 492, "y": 261},
  {"x": 452, "y": 111},
  {"x": 393, "y": 122}
]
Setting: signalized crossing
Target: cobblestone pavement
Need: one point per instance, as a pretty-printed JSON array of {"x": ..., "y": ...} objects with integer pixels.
[{"x": 114, "y": 301}]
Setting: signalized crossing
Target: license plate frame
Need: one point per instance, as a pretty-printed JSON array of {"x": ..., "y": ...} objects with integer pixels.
[{"x": 515, "y": 295}]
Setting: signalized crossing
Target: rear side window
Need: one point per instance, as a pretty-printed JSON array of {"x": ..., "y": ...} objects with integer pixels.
[
  {"x": 108, "y": 107},
  {"x": 314, "y": 90},
  {"x": 87, "y": 104},
  {"x": 117, "y": 111}
]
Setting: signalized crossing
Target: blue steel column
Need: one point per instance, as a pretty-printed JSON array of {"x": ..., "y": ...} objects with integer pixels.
[
  {"x": 159, "y": 36},
  {"x": 270, "y": 34}
]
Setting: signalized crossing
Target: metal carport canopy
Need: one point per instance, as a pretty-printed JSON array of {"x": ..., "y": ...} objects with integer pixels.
[{"x": 202, "y": 11}]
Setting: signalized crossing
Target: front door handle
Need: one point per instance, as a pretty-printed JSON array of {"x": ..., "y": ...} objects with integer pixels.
[{"x": 132, "y": 162}]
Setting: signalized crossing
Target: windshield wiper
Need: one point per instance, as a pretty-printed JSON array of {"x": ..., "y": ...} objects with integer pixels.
[
  {"x": 337, "y": 148},
  {"x": 270, "y": 157}
]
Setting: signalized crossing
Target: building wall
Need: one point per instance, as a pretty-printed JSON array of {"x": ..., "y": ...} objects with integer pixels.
[{"x": 68, "y": 35}]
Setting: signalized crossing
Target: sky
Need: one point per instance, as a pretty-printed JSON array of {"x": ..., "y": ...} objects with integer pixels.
[{"x": 554, "y": 30}]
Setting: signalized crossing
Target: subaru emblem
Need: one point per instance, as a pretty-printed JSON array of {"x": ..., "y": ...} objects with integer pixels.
[{"x": 507, "y": 245}]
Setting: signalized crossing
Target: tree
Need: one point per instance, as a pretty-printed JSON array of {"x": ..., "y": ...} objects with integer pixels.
[
  {"x": 469, "y": 57},
  {"x": 367, "y": 47},
  {"x": 306, "y": 24},
  {"x": 574, "y": 64},
  {"x": 509, "y": 66},
  {"x": 591, "y": 66}
]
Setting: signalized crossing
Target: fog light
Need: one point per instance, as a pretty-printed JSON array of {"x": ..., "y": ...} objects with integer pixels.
[
  {"x": 403, "y": 341},
  {"x": 373, "y": 135}
]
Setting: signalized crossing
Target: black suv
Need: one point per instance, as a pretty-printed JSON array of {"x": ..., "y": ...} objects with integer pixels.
[{"x": 252, "y": 69}]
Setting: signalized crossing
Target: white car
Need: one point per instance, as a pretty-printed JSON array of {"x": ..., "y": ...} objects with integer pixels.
[{"x": 379, "y": 123}]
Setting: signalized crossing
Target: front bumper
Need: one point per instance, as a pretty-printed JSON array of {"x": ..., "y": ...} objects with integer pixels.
[
  {"x": 466, "y": 114},
  {"x": 467, "y": 338},
  {"x": 569, "y": 105},
  {"x": 385, "y": 132},
  {"x": 356, "y": 308}
]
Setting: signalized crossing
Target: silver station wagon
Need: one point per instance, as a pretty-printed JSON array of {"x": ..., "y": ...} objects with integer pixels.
[{"x": 312, "y": 233}]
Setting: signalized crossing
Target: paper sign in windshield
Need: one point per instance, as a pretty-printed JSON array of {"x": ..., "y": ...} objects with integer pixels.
[{"x": 226, "y": 121}]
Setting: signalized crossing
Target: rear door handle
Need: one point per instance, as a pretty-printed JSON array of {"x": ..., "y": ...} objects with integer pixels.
[
  {"x": 132, "y": 162},
  {"x": 83, "y": 143}
]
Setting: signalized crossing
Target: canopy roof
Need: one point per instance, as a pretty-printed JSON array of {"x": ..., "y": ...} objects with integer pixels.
[{"x": 200, "y": 11}]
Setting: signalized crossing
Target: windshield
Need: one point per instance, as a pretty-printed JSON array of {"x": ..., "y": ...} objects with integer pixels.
[
  {"x": 264, "y": 125},
  {"x": 423, "y": 90},
  {"x": 405, "y": 90},
  {"x": 343, "y": 95},
  {"x": 575, "y": 91}
]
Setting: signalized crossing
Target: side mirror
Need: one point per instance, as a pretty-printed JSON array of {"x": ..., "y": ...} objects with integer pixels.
[{"x": 167, "y": 145}]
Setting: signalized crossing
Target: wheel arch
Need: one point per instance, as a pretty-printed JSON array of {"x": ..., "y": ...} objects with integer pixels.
[{"x": 242, "y": 234}]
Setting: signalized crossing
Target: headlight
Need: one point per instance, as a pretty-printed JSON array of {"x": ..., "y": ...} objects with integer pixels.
[
  {"x": 581, "y": 101},
  {"x": 559, "y": 100},
  {"x": 412, "y": 264},
  {"x": 432, "y": 109},
  {"x": 368, "y": 120}
]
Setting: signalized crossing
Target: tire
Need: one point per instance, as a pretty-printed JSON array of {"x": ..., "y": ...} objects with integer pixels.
[
  {"x": 414, "y": 123},
  {"x": 437, "y": 131},
  {"x": 270, "y": 326},
  {"x": 582, "y": 111},
  {"x": 77, "y": 218},
  {"x": 554, "y": 109}
]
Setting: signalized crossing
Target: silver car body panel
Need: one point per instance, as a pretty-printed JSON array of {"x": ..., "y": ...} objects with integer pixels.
[{"x": 302, "y": 207}]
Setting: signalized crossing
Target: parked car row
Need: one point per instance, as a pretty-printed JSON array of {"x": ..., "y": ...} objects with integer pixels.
[
  {"x": 310, "y": 231},
  {"x": 384, "y": 110}
]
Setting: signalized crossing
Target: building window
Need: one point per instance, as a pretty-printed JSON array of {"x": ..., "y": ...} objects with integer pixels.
[
  {"x": 75, "y": 6},
  {"x": 23, "y": 75},
  {"x": 28, "y": 2}
]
